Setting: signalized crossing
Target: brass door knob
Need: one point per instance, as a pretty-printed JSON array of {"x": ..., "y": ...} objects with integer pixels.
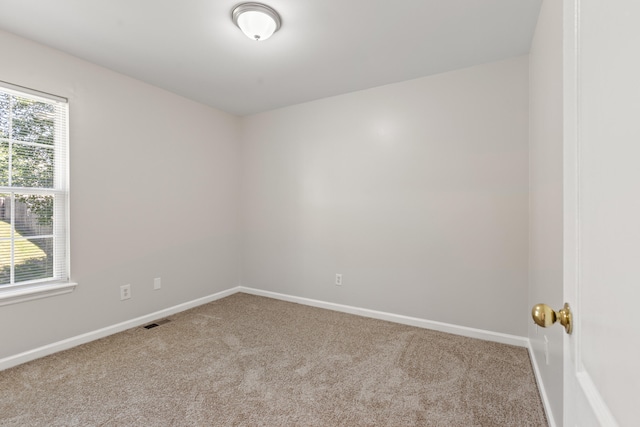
[{"x": 544, "y": 316}]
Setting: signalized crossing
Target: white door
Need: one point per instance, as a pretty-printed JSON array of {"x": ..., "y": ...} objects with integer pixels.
[{"x": 602, "y": 212}]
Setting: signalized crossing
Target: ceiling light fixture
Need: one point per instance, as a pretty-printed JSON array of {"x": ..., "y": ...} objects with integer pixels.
[{"x": 258, "y": 21}]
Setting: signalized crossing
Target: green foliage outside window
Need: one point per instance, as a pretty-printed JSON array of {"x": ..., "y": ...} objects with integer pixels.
[
  {"x": 24, "y": 120},
  {"x": 27, "y": 154}
]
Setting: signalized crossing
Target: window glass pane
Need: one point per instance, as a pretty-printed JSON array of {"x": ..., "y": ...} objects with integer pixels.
[
  {"x": 33, "y": 259},
  {"x": 4, "y": 115},
  {"x": 4, "y": 163},
  {"x": 5, "y": 260},
  {"x": 33, "y": 215},
  {"x": 32, "y": 166},
  {"x": 33, "y": 121},
  {"x": 33, "y": 143}
]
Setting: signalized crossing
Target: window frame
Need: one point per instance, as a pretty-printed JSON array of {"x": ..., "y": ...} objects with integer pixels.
[{"x": 60, "y": 284}]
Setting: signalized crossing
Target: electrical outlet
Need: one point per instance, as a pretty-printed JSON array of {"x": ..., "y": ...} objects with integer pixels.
[
  {"x": 156, "y": 283},
  {"x": 546, "y": 349},
  {"x": 125, "y": 292},
  {"x": 338, "y": 279}
]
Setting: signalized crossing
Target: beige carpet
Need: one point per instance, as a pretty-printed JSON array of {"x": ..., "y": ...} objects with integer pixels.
[{"x": 253, "y": 361}]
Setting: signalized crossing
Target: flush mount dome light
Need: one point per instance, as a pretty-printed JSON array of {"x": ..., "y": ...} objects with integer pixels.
[{"x": 258, "y": 21}]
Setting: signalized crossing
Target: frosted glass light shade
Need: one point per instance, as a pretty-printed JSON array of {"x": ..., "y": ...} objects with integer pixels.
[
  {"x": 256, "y": 25},
  {"x": 257, "y": 21}
]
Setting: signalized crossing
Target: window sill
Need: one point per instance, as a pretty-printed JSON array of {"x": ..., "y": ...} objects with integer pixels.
[{"x": 15, "y": 296}]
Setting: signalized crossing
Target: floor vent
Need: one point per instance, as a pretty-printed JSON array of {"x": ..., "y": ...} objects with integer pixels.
[{"x": 155, "y": 324}]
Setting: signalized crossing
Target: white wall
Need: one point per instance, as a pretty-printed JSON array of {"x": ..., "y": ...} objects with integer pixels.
[
  {"x": 416, "y": 192},
  {"x": 154, "y": 180},
  {"x": 546, "y": 197}
]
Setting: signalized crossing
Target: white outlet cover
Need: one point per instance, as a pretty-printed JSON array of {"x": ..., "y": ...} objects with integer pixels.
[{"x": 125, "y": 292}]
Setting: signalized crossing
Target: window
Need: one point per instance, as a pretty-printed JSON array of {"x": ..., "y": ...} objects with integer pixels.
[{"x": 33, "y": 194}]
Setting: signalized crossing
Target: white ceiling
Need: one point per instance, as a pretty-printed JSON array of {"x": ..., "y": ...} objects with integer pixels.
[{"x": 324, "y": 48}]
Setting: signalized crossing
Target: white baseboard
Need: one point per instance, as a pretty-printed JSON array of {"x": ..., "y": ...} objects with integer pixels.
[
  {"x": 46, "y": 350},
  {"x": 543, "y": 392},
  {"x": 397, "y": 318}
]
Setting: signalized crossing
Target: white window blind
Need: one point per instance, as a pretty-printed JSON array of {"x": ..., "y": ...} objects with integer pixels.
[{"x": 33, "y": 188}]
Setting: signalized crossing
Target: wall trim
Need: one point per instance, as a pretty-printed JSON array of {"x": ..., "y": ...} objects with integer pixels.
[
  {"x": 546, "y": 404},
  {"x": 597, "y": 403},
  {"x": 29, "y": 355},
  {"x": 18, "y": 359},
  {"x": 397, "y": 318}
]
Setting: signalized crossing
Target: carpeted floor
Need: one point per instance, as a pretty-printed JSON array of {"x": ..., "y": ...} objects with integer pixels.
[{"x": 252, "y": 361}]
